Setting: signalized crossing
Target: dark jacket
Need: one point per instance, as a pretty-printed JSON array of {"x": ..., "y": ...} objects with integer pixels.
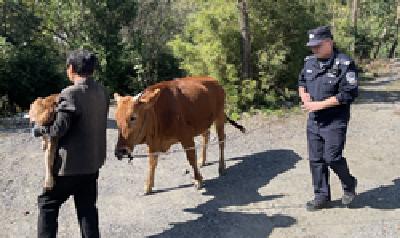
[
  {"x": 80, "y": 125},
  {"x": 337, "y": 77}
]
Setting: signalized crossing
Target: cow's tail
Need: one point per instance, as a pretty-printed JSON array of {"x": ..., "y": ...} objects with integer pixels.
[{"x": 235, "y": 124}]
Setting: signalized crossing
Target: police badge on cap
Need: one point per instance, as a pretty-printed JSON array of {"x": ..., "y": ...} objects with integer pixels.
[{"x": 317, "y": 35}]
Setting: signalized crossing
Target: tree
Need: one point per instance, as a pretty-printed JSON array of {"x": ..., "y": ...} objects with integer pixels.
[
  {"x": 210, "y": 40},
  {"x": 29, "y": 60},
  {"x": 354, "y": 16},
  {"x": 245, "y": 38}
]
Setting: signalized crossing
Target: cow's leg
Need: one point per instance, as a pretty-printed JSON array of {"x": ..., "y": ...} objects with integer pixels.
[
  {"x": 190, "y": 149},
  {"x": 153, "y": 160},
  {"x": 206, "y": 137},
  {"x": 219, "y": 126},
  {"x": 49, "y": 161},
  {"x": 45, "y": 142}
]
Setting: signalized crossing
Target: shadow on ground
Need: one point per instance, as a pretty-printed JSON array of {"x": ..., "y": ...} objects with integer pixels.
[
  {"x": 384, "y": 197},
  {"x": 371, "y": 96},
  {"x": 239, "y": 187},
  {"x": 382, "y": 80}
]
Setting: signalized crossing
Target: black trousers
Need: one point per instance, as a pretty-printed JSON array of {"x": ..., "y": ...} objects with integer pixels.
[
  {"x": 84, "y": 190},
  {"x": 325, "y": 147}
]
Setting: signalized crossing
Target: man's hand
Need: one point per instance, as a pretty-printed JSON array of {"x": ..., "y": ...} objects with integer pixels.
[{"x": 38, "y": 131}]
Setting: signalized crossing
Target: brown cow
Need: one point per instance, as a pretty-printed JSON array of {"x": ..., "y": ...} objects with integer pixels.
[
  {"x": 171, "y": 112},
  {"x": 42, "y": 112}
]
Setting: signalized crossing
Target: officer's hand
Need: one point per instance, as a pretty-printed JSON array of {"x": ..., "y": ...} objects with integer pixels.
[
  {"x": 305, "y": 97},
  {"x": 39, "y": 131},
  {"x": 312, "y": 106}
]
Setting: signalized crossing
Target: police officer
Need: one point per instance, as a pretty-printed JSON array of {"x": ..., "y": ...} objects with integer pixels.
[{"x": 327, "y": 87}]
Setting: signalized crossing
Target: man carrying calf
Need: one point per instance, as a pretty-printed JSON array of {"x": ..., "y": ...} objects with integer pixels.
[{"x": 80, "y": 126}]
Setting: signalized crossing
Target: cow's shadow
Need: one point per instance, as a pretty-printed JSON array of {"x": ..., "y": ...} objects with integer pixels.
[
  {"x": 222, "y": 217},
  {"x": 384, "y": 197}
]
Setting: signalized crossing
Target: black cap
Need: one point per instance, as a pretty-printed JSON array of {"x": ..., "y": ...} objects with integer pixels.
[{"x": 317, "y": 35}]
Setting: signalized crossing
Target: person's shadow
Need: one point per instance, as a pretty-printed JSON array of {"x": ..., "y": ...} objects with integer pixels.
[
  {"x": 222, "y": 217},
  {"x": 384, "y": 197}
]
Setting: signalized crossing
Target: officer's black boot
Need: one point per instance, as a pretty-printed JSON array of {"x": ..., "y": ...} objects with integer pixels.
[
  {"x": 314, "y": 205},
  {"x": 349, "y": 182},
  {"x": 348, "y": 197}
]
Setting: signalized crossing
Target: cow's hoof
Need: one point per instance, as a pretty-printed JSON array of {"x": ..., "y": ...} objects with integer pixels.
[
  {"x": 147, "y": 191},
  {"x": 48, "y": 184},
  {"x": 198, "y": 184}
]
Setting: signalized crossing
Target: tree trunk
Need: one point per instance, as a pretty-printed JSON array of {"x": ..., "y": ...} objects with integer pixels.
[
  {"x": 393, "y": 48},
  {"x": 396, "y": 37},
  {"x": 5, "y": 20},
  {"x": 354, "y": 14},
  {"x": 245, "y": 35},
  {"x": 377, "y": 50},
  {"x": 380, "y": 43}
]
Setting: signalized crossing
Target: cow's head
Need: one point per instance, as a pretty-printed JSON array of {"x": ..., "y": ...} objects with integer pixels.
[
  {"x": 132, "y": 118},
  {"x": 42, "y": 111}
]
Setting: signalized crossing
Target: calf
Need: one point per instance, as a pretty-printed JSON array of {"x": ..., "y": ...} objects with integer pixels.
[{"x": 42, "y": 112}]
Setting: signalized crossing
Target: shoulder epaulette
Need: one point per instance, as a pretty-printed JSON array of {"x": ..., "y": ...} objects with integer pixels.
[
  {"x": 308, "y": 58},
  {"x": 344, "y": 59}
]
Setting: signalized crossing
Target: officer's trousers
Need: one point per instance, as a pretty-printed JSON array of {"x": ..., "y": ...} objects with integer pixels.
[{"x": 325, "y": 147}]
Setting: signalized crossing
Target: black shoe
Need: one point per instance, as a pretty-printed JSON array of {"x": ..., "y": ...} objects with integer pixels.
[
  {"x": 314, "y": 205},
  {"x": 348, "y": 197}
]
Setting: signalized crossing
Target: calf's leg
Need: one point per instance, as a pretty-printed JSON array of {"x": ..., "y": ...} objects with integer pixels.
[{"x": 49, "y": 161}]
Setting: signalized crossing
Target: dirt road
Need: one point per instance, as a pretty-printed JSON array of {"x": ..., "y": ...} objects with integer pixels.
[{"x": 262, "y": 195}]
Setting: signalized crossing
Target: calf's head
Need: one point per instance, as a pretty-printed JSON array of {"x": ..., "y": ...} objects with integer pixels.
[{"x": 43, "y": 110}]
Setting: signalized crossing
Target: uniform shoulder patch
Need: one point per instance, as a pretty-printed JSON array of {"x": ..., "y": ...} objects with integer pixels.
[{"x": 351, "y": 78}]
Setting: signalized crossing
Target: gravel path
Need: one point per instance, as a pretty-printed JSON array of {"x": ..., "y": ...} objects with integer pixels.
[{"x": 262, "y": 195}]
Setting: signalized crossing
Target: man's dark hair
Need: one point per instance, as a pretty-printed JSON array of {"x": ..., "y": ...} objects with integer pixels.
[{"x": 83, "y": 62}]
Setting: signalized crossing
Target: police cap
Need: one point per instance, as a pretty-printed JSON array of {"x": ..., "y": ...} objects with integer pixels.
[{"x": 317, "y": 35}]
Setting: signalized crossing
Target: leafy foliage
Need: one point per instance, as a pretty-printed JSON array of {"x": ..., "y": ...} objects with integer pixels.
[{"x": 142, "y": 42}]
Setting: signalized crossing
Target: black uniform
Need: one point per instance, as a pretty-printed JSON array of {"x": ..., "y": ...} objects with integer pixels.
[{"x": 326, "y": 129}]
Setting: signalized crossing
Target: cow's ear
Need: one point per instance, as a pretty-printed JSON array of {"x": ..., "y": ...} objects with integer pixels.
[
  {"x": 116, "y": 97},
  {"x": 150, "y": 96}
]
